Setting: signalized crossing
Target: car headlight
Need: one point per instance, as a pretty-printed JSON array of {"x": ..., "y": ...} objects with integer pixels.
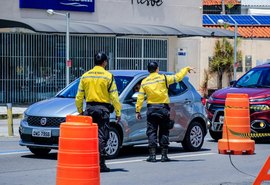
[
  {"x": 258, "y": 108},
  {"x": 25, "y": 117},
  {"x": 260, "y": 99}
]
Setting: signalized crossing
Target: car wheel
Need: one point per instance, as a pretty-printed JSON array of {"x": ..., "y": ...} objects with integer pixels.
[
  {"x": 40, "y": 151},
  {"x": 215, "y": 135},
  {"x": 194, "y": 137},
  {"x": 113, "y": 144}
]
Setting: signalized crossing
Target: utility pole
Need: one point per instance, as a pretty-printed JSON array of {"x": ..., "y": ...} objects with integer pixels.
[{"x": 223, "y": 7}]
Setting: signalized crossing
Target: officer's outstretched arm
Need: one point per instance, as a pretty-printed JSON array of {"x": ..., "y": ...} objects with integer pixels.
[{"x": 171, "y": 79}]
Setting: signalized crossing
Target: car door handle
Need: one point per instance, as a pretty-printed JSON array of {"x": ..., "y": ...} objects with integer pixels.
[{"x": 187, "y": 101}]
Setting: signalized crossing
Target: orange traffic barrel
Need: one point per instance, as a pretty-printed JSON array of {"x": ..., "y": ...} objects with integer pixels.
[
  {"x": 236, "y": 120},
  {"x": 78, "y": 155}
]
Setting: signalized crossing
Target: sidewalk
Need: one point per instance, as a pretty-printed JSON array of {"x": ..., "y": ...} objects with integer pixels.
[
  {"x": 17, "y": 112},
  {"x": 4, "y": 128}
]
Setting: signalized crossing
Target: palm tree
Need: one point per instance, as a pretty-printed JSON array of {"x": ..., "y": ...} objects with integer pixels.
[{"x": 222, "y": 61}]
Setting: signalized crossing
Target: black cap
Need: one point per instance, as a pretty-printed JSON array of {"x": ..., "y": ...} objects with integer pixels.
[
  {"x": 100, "y": 57},
  {"x": 152, "y": 66}
]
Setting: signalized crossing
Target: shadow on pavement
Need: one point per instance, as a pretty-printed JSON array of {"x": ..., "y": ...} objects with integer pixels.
[
  {"x": 50, "y": 156},
  {"x": 125, "y": 152},
  {"x": 118, "y": 170},
  {"x": 142, "y": 151}
]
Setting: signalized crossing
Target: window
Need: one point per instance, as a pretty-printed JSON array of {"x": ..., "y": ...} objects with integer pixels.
[
  {"x": 250, "y": 79},
  {"x": 135, "y": 53},
  {"x": 248, "y": 62},
  {"x": 239, "y": 66},
  {"x": 177, "y": 88},
  {"x": 70, "y": 91},
  {"x": 122, "y": 82}
]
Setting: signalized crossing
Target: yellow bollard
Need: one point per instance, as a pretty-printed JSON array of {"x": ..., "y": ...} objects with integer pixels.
[{"x": 10, "y": 119}]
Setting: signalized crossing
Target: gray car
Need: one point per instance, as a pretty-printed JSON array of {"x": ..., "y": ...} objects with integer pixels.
[{"x": 39, "y": 129}]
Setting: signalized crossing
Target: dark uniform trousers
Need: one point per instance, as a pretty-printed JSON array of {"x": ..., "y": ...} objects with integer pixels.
[
  {"x": 158, "y": 118},
  {"x": 100, "y": 115}
]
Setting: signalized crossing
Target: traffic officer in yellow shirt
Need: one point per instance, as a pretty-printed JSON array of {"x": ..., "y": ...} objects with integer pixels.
[
  {"x": 155, "y": 88},
  {"x": 98, "y": 88}
]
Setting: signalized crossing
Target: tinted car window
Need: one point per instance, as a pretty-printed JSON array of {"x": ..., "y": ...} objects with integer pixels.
[
  {"x": 122, "y": 82},
  {"x": 177, "y": 88},
  {"x": 71, "y": 90},
  {"x": 255, "y": 78}
]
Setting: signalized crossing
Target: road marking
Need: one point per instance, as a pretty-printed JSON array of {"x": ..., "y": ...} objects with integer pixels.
[
  {"x": 171, "y": 157},
  {"x": 15, "y": 152}
]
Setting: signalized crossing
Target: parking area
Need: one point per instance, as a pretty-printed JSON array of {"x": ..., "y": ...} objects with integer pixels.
[{"x": 205, "y": 167}]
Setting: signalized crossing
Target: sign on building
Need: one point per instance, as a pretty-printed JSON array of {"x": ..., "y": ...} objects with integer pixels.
[{"x": 70, "y": 5}]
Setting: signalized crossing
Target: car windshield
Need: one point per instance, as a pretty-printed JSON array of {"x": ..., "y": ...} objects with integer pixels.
[
  {"x": 71, "y": 90},
  {"x": 255, "y": 78}
]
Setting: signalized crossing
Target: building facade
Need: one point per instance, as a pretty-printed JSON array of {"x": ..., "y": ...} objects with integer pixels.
[
  {"x": 33, "y": 63},
  {"x": 253, "y": 28}
]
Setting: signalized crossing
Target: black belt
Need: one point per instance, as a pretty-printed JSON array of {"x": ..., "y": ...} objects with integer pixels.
[
  {"x": 98, "y": 103},
  {"x": 158, "y": 105}
]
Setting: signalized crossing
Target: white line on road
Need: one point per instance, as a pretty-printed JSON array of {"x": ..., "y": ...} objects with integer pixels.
[
  {"x": 172, "y": 157},
  {"x": 15, "y": 152}
]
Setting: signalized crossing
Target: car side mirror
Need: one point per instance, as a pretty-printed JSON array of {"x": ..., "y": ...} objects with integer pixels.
[
  {"x": 135, "y": 96},
  {"x": 232, "y": 82}
]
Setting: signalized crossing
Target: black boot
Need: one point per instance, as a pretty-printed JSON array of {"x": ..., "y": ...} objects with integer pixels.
[
  {"x": 164, "y": 157},
  {"x": 103, "y": 167},
  {"x": 152, "y": 155}
]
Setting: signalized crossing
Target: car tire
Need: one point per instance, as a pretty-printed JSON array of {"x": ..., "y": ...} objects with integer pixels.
[
  {"x": 215, "y": 135},
  {"x": 194, "y": 137},
  {"x": 40, "y": 151},
  {"x": 113, "y": 143}
]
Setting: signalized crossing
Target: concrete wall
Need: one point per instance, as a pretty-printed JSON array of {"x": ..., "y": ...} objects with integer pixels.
[
  {"x": 189, "y": 55},
  {"x": 257, "y": 48},
  {"x": 170, "y": 12},
  {"x": 199, "y": 49}
]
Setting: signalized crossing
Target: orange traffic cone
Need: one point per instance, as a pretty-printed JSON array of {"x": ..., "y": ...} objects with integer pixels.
[
  {"x": 236, "y": 120},
  {"x": 78, "y": 156}
]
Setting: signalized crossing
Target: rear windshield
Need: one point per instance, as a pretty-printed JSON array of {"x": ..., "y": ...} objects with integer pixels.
[
  {"x": 71, "y": 90},
  {"x": 257, "y": 77}
]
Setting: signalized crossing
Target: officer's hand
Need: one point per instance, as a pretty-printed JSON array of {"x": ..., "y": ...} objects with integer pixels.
[
  {"x": 191, "y": 69},
  {"x": 118, "y": 118},
  {"x": 138, "y": 116}
]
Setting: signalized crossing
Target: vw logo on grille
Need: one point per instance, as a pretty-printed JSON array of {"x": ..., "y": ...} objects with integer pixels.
[{"x": 43, "y": 121}]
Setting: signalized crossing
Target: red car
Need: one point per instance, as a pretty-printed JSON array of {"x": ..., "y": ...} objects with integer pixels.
[{"x": 255, "y": 83}]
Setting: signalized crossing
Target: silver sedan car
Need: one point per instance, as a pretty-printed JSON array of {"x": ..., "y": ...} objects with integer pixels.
[{"x": 39, "y": 129}]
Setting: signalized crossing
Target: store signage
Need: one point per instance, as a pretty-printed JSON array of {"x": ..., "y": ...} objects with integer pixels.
[
  {"x": 149, "y": 2},
  {"x": 182, "y": 52},
  {"x": 69, "y": 5}
]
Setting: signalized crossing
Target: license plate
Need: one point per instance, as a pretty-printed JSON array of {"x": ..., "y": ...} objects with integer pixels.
[
  {"x": 41, "y": 133},
  {"x": 221, "y": 119}
]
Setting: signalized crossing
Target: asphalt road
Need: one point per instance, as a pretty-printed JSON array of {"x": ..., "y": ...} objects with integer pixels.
[{"x": 206, "y": 167}]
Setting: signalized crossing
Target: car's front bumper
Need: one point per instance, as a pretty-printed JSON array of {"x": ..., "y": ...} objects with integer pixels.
[
  {"x": 28, "y": 140},
  {"x": 259, "y": 122}
]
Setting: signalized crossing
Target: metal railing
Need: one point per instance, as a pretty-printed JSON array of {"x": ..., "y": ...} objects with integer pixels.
[{"x": 32, "y": 66}]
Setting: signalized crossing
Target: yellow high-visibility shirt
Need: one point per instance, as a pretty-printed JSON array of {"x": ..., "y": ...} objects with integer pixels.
[
  {"x": 154, "y": 87},
  {"x": 94, "y": 87}
]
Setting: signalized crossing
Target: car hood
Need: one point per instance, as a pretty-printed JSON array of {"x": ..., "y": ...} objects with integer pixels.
[
  {"x": 54, "y": 107},
  {"x": 252, "y": 92}
]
